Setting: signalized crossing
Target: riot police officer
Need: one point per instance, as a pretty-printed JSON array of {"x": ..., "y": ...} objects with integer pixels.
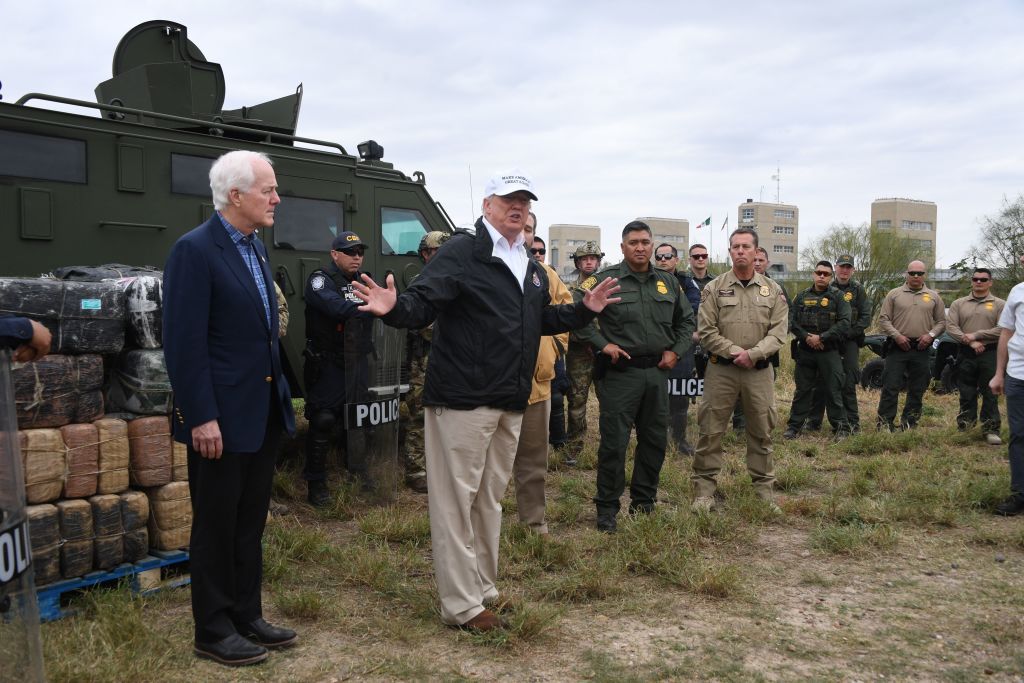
[
  {"x": 820, "y": 319},
  {"x": 579, "y": 359},
  {"x": 330, "y": 305}
]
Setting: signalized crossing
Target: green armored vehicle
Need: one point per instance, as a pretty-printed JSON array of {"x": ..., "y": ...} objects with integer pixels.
[{"x": 122, "y": 180}]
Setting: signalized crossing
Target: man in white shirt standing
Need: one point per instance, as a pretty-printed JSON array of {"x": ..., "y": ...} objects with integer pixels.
[{"x": 1009, "y": 379}]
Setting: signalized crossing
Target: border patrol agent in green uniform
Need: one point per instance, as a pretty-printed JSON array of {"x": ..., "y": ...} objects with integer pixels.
[
  {"x": 819, "y": 318},
  {"x": 912, "y": 316},
  {"x": 854, "y": 294},
  {"x": 639, "y": 341},
  {"x": 742, "y": 321},
  {"x": 973, "y": 321}
]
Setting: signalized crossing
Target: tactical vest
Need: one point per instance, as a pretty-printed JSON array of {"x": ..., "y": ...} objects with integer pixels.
[
  {"x": 324, "y": 334},
  {"x": 817, "y": 311}
]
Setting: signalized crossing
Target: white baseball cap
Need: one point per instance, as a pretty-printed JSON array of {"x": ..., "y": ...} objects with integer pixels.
[{"x": 504, "y": 183}]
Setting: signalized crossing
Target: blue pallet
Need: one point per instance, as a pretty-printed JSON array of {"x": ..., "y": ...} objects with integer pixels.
[{"x": 49, "y": 596}]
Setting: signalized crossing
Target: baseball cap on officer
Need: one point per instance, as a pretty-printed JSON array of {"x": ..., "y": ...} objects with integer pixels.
[
  {"x": 346, "y": 240},
  {"x": 844, "y": 260},
  {"x": 505, "y": 183},
  {"x": 433, "y": 240}
]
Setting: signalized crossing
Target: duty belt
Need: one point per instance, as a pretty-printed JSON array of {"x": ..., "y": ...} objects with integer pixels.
[
  {"x": 641, "y": 362},
  {"x": 723, "y": 360}
]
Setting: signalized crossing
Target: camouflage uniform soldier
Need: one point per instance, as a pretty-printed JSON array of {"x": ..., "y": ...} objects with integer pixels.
[
  {"x": 410, "y": 411},
  {"x": 579, "y": 359}
]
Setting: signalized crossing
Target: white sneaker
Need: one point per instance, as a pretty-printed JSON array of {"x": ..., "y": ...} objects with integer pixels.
[
  {"x": 992, "y": 439},
  {"x": 702, "y": 505}
]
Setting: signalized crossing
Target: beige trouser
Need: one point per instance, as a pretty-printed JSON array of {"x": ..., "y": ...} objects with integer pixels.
[
  {"x": 531, "y": 466},
  {"x": 756, "y": 390},
  {"x": 469, "y": 462}
]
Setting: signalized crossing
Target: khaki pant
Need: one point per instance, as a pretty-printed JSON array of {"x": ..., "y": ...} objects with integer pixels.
[
  {"x": 469, "y": 462},
  {"x": 531, "y": 466},
  {"x": 755, "y": 390}
]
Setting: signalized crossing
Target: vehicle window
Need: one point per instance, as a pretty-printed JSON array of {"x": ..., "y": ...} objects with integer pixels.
[
  {"x": 191, "y": 174},
  {"x": 25, "y": 155},
  {"x": 306, "y": 224},
  {"x": 402, "y": 230}
]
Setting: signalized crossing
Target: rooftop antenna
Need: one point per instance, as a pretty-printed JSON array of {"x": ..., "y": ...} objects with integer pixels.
[
  {"x": 778, "y": 184},
  {"x": 760, "y": 197}
]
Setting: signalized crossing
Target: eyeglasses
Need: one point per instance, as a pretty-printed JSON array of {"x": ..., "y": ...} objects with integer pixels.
[
  {"x": 540, "y": 251},
  {"x": 979, "y": 279},
  {"x": 699, "y": 257},
  {"x": 353, "y": 252},
  {"x": 664, "y": 257},
  {"x": 915, "y": 273},
  {"x": 822, "y": 273}
]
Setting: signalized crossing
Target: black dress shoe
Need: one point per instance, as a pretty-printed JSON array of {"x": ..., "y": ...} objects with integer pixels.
[
  {"x": 1014, "y": 505},
  {"x": 267, "y": 635},
  {"x": 606, "y": 524},
  {"x": 231, "y": 651}
]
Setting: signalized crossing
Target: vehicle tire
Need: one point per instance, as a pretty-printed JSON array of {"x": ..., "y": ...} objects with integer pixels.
[
  {"x": 949, "y": 379},
  {"x": 871, "y": 374}
]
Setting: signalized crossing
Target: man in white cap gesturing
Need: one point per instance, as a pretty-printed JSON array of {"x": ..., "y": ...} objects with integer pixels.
[{"x": 492, "y": 305}]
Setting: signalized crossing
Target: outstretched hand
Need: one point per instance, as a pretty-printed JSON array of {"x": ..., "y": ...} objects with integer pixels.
[
  {"x": 601, "y": 295},
  {"x": 376, "y": 299}
]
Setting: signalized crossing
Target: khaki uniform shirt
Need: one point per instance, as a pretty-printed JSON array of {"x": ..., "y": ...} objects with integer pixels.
[
  {"x": 979, "y": 317},
  {"x": 734, "y": 318},
  {"x": 912, "y": 313}
]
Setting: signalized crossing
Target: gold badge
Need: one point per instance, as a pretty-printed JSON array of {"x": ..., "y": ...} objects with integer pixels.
[
  {"x": 927, "y": 298},
  {"x": 588, "y": 283},
  {"x": 764, "y": 291},
  {"x": 989, "y": 305},
  {"x": 848, "y": 296},
  {"x": 824, "y": 302},
  {"x": 662, "y": 289}
]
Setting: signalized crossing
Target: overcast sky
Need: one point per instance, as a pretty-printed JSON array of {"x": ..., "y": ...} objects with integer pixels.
[{"x": 618, "y": 109}]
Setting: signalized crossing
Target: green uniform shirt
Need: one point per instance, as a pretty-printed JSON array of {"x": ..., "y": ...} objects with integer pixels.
[
  {"x": 979, "y": 317},
  {"x": 912, "y": 313},
  {"x": 735, "y": 318},
  {"x": 653, "y": 315},
  {"x": 822, "y": 313},
  {"x": 860, "y": 306}
]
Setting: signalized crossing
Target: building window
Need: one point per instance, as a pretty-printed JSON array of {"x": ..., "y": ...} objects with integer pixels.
[
  {"x": 785, "y": 213},
  {"x": 783, "y": 230},
  {"x": 917, "y": 225},
  {"x": 883, "y": 225},
  {"x": 24, "y": 155},
  {"x": 783, "y": 249},
  {"x": 747, "y": 215}
]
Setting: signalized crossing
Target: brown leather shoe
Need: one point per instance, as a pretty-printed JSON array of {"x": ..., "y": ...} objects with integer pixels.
[{"x": 485, "y": 621}]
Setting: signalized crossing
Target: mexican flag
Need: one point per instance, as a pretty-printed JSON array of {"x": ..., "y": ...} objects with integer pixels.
[{"x": 706, "y": 221}]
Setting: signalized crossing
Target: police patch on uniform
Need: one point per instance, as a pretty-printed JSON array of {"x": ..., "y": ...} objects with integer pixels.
[
  {"x": 704, "y": 294},
  {"x": 536, "y": 280},
  {"x": 810, "y": 302},
  {"x": 764, "y": 291},
  {"x": 317, "y": 283},
  {"x": 726, "y": 292},
  {"x": 588, "y": 283},
  {"x": 848, "y": 296},
  {"x": 927, "y": 298},
  {"x": 662, "y": 289},
  {"x": 824, "y": 302}
]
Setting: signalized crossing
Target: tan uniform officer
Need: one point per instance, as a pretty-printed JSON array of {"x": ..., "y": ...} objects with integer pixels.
[
  {"x": 912, "y": 316},
  {"x": 741, "y": 322}
]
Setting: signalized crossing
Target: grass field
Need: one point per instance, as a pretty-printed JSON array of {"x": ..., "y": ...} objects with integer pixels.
[{"x": 887, "y": 564}]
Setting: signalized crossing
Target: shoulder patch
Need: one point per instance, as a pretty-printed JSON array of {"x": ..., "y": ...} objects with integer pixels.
[
  {"x": 588, "y": 283},
  {"x": 317, "y": 283},
  {"x": 704, "y": 294}
]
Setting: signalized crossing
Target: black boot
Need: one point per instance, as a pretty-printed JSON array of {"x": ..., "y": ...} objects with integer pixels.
[
  {"x": 318, "y": 445},
  {"x": 318, "y": 494}
]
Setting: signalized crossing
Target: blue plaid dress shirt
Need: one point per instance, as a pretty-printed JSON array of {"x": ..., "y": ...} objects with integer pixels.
[{"x": 248, "y": 253}]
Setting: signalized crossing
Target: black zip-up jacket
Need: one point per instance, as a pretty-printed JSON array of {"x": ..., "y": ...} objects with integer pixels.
[{"x": 488, "y": 332}]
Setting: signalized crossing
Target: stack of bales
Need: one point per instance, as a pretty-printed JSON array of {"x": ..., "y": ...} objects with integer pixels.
[{"x": 83, "y": 455}]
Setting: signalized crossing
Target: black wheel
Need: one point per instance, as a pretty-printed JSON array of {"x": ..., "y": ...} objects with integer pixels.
[
  {"x": 871, "y": 374},
  {"x": 948, "y": 379}
]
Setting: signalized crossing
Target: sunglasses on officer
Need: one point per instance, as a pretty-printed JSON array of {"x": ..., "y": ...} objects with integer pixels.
[
  {"x": 352, "y": 252},
  {"x": 664, "y": 257},
  {"x": 823, "y": 273},
  {"x": 538, "y": 250},
  {"x": 915, "y": 273},
  {"x": 699, "y": 257},
  {"x": 980, "y": 279}
]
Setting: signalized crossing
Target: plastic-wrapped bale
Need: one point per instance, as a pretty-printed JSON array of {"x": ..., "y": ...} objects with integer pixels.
[
  {"x": 57, "y": 390},
  {"x": 149, "y": 446},
  {"x": 144, "y": 310},
  {"x": 179, "y": 459},
  {"x": 43, "y": 462},
  {"x": 112, "y": 435},
  {"x": 107, "y": 271},
  {"x": 170, "y": 516},
  {"x": 44, "y": 532},
  {"x": 134, "y": 520},
  {"x": 76, "y": 532},
  {"x": 84, "y": 317},
  {"x": 139, "y": 383},
  {"x": 106, "y": 520},
  {"x": 82, "y": 443}
]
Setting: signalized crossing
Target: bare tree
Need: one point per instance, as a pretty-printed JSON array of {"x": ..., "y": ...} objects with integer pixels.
[
  {"x": 1001, "y": 245},
  {"x": 880, "y": 256}
]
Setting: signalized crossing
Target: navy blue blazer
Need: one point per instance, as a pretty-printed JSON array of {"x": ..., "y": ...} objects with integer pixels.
[{"x": 223, "y": 359}]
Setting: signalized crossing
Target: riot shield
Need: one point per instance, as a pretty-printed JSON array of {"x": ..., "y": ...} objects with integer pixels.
[
  {"x": 373, "y": 356},
  {"x": 21, "y": 654}
]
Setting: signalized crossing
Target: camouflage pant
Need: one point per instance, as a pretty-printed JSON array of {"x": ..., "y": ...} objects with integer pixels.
[
  {"x": 410, "y": 422},
  {"x": 579, "y": 365}
]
